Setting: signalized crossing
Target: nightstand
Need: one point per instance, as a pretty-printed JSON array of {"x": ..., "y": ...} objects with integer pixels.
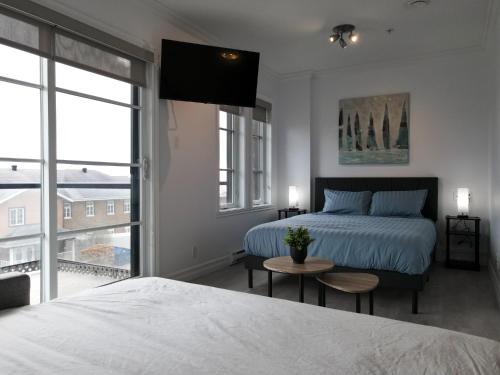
[
  {"x": 287, "y": 212},
  {"x": 468, "y": 229}
]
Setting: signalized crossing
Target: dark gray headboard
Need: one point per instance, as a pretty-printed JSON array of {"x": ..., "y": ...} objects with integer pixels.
[{"x": 375, "y": 184}]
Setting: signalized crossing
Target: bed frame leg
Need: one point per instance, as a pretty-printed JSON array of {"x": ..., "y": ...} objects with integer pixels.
[
  {"x": 250, "y": 278},
  {"x": 414, "y": 302}
]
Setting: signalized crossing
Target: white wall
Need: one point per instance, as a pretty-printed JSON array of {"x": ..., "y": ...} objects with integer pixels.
[
  {"x": 449, "y": 122},
  {"x": 294, "y": 139},
  {"x": 495, "y": 161},
  {"x": 187, "y": 146}
]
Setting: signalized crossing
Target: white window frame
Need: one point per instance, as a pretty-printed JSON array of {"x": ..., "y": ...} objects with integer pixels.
[
  {"x": 264, "y": 168},
  {"x": 244, "y": 172},
  {"x": 233, "y": 130},
  {"x": 110, "y": 207},
  {"x": 89, "y": 208},
  {"x": 148, "y": 149},
  {"x": 67, "y": 211},
  {"x": 19, "y": 215},
  {"x": 126, "y": 206}
]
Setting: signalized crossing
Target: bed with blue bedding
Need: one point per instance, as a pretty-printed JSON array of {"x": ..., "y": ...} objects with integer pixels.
[
  {"x": 403, "y": 245},
  {"x": 399, "y": 250}
]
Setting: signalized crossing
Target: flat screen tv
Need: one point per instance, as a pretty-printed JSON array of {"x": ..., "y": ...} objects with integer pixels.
[{"x": 206, "y": 74}]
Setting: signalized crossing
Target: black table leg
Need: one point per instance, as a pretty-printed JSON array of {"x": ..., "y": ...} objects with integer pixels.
[
  {"x": 250, "y": 278},
  {"x": 414, "y": 302},
  {"x": 358, "y": 302},
  {"x": 269, "y": 283},
  {"x": 301, "y": 288},
  {"x": 321, "y": 294},
  {"x": 371, "y": 302}
]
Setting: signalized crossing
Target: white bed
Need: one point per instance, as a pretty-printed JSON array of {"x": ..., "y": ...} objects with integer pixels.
[{"x": 160, "y": 326}]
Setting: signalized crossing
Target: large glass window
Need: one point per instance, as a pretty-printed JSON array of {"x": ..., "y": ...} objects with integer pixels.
[
  {"x": 244, "y": 157},
  {"x": 100, "y": 243},
  {"x": 20, "y": 166},
  {"x": 91, "y": 173},
  {"x": 70, "y": 153}
]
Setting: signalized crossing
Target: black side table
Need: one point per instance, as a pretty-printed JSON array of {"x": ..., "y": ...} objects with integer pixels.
[
  {"x": 453, "y": 229},
  {"x": 286, "y": 212}
]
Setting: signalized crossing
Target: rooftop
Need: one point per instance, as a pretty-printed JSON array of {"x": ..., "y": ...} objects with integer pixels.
[{"x": 66, "y": 176}]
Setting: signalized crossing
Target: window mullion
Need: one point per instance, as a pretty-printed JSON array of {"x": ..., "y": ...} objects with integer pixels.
[
  {"x": 48, "y": 266},
  {"x": 263, "y": 165}
]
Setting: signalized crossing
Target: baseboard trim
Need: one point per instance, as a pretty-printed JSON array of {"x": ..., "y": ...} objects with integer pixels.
[
  {"x": 496, "y": 281},
  {"x": 202, "y": 269}
]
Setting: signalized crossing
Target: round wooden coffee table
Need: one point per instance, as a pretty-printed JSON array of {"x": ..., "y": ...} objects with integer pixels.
[
  {"x": 349, "y": 282},
  {"x": 311, "y": 266}
]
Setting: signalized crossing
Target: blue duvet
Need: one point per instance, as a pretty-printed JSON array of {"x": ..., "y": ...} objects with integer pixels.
[{"x": 370, "y": 242}]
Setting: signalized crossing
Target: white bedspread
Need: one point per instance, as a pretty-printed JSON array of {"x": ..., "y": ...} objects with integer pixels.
[{"x": 160, "y": 326}]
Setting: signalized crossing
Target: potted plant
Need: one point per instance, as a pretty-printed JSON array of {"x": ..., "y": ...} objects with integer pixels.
[{"x": 298, "y": 239}]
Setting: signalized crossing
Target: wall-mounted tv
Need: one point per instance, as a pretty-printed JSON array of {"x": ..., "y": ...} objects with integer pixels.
[{"x": 206, "y": 74}]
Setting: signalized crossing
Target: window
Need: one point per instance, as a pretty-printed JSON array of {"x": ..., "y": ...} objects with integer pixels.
[
  {"x": 244, "y": 157},
  {"x": 126, "y": 206},
  {"x": 110, "y": 207},
  {"x": 67, "y": 210},
  {"x": 16, "y": 216},
  {"x": 258, "y": 159},
  {"x": 229, "y": 123},
  {"x": 89, "y": 208},
  {"x": 261, "y": 154},
  {"x": 63, "y": 97}
]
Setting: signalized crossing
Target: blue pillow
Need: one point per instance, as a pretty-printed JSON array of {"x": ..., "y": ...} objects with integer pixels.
[
  {"x": 398, "y": 203},
  {"x": 347, "y": 202}
]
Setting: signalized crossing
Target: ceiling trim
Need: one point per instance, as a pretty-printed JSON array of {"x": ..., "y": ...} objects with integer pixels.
[
  {"x": 182, "y": 23},
  {"x": 475, "y": 49},
  {"x": 197, "y": 32}
]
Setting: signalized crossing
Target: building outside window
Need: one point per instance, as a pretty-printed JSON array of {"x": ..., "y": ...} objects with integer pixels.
[
  {"x": 16, "y": 216},
  {"x": 110, "y": 207},
  {"x": 229, "y": 186},
  {"x": 126, "y": 206},
  {"x": 89, "y": 208},
  {"x": 67, "y": 210}
]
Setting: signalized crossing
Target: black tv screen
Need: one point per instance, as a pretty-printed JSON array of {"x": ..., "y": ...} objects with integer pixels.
[{"x": 206, "y": 74}]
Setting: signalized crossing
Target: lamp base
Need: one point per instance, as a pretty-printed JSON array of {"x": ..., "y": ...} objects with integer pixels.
[
  {"x": 293, "y": 208},
  {"x": 462, "y": 216}
]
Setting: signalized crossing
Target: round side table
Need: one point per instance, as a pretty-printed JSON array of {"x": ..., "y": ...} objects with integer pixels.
[{"x": 311, "y": 266}]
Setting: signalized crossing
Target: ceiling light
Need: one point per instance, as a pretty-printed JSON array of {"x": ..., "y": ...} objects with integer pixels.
[
  {"x": 334, "y": 38},
  {"x": 338, "y": 34}
]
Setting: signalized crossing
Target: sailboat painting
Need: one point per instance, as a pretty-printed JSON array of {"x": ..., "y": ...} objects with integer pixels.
[{"x": 374, "y": 130}]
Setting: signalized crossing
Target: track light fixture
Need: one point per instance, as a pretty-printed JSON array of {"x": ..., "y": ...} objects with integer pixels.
[{"x": 338, "y": 34}]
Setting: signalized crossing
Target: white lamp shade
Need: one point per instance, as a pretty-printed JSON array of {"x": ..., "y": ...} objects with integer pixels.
[
  {"x": 463, "y": 201},
  {"x": 293, "y": 196}
]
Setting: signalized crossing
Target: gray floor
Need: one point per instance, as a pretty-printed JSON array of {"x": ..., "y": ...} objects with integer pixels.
[{"x": 453, "y": 299}]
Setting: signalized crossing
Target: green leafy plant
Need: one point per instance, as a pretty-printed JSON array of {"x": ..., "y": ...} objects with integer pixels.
[{"x": 298, "y": 238}]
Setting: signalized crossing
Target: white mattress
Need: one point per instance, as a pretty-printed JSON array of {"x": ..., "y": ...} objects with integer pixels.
[{"x": 160, "y": 326}]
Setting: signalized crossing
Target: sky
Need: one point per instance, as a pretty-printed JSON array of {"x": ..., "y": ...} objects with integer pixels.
[{"x": 86, "y": 129}]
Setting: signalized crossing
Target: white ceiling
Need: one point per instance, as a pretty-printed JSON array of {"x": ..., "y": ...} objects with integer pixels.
[{"x": 292, "y": 35}]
